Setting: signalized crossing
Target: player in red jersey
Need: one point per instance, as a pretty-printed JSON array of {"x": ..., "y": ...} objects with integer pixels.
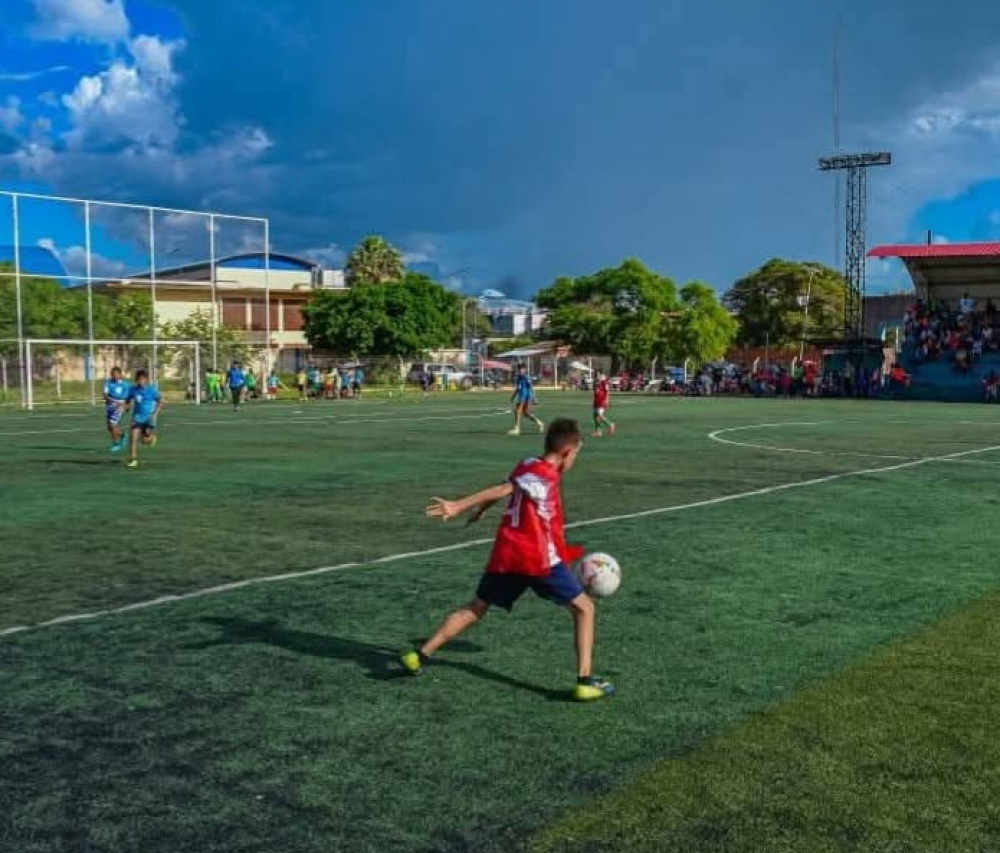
[
  {"x": 602, "y": 398},
  {"x": 529, "y": 552}
]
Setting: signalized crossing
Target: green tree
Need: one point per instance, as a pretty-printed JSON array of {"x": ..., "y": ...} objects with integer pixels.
[
  {"x": 770, "y": 303},
  {"x": 624, "y": 312},
  {"x": 373, "y": 261},
  {"x": 48, "y": 310},
  {"x": 197, "y": 326},
  {"x": 401, "y": 319},
  {"x": 704, "y": 329}
]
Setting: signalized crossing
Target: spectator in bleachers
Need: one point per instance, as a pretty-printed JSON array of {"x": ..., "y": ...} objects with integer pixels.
[{"x": 990, "y": 387}]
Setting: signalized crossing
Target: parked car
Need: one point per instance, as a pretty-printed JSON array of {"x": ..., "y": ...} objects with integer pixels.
[{"x": 448, "y": 374}]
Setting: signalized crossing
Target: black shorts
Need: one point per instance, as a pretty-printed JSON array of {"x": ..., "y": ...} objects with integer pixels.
[
  {"x": 237, "y": 395},
  {"x": 560, "y": 586}
]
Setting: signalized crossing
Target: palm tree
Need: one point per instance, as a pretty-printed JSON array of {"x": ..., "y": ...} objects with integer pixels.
[{"x": 373, "y": 261}]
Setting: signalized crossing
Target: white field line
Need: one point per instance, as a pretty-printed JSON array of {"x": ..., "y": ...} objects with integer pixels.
[
  {"x": 474, "y": 543},
  {"x": 239, "y": 420},
  {"x": 717, "y": 436}
]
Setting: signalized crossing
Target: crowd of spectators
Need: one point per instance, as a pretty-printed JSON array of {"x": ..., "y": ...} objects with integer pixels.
[{"x": 958, "y": 332}]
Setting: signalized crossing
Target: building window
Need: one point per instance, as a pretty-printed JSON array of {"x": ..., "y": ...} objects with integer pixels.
[
  {"x": 234, "y": 313},
  {"x": 294, "y": 322}
]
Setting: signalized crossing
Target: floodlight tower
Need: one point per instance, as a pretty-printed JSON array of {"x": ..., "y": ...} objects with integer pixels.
[{"x": 856, "y": 166}]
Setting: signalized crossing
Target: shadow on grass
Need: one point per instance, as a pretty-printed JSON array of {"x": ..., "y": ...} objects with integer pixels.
[{"x": 379, "y": 662}]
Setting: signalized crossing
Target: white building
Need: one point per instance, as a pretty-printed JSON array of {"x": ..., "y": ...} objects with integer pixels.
[{"x": 510, "y": 316}]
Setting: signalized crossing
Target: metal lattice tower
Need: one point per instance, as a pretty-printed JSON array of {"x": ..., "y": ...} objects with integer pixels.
[{"x": 856, "y": 166}]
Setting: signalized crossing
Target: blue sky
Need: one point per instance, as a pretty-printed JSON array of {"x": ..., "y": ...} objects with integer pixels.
[{"x": 501, "y": 143}]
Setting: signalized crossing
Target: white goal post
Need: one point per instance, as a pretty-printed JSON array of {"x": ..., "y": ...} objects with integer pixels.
[{"x": 90, "y": 348}]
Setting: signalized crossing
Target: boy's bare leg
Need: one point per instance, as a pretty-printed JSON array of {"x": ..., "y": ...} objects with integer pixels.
[
  {"x": 582, "y": 610},
  {"x": 454, "y": 624}
]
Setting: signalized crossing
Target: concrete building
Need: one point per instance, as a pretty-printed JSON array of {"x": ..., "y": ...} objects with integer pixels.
[
  {"x": 261, "y": 300},
  {"x": 510, "y": 316}
]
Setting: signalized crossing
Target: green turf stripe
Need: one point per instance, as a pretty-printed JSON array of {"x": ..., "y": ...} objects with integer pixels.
[{"x": 898, "y": 754}]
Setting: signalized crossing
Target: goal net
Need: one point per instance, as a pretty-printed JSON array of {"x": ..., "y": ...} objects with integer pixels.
[{"x": 61, "y": 371}]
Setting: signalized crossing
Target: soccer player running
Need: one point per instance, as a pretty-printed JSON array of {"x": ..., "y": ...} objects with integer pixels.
[
  {"x": 236, "y": 381},
  {"x": 529, "y": 552},
  {"x": 602, "y": 398},
  {"x": 522, "y": 398},
  {"x": 146, "y": 405},
  {"x": 116, "y": 397}
]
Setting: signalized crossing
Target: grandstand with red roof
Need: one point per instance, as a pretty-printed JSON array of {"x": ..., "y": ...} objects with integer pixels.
[{"x": 950, "y": 341}]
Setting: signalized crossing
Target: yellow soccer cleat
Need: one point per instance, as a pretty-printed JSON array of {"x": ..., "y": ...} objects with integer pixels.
[
  {"x": 412, "y": 661},
  {"x": 134, "y": 463},
  {"x": 592, "y": 688}
]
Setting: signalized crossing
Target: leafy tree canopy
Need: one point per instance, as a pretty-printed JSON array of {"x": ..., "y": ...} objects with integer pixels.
[
  {"x": 373, "y": 261},
  {"x": 770, "y": 303},
  {"x": 401, "y": 318},
  {"x": 635, "y": 315}
]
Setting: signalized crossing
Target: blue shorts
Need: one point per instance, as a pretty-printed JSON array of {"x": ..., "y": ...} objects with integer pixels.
[
  {"x": 560, "y": 586},
  {"x": 114, "y": 415}
]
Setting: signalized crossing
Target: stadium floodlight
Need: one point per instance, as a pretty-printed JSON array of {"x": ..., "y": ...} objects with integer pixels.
[
  {"x": 856, "y": 165},
  {"x": 855, "y": 161}
]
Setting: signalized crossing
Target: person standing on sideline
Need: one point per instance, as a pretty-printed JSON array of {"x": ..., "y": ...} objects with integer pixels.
[
  {"x": 251, "y": 379},
  {"x": 273, "y": 384},
  {"x": 236, "y": 381}
]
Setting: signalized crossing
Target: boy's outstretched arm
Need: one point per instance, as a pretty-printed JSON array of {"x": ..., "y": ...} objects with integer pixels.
[{"x": 480, "y": 501}]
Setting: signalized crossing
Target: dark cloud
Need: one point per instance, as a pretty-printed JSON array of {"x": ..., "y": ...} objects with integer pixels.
[{"x": 523, "y": 140}]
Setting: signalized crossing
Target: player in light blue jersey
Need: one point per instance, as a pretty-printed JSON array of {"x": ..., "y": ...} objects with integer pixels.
[
  {"x": 522, "y": 398},
  {"x": 116, "y": 395},
  {"x": 146, "y": 404}
]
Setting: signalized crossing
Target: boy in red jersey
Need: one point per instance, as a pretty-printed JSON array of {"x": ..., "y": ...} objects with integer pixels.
[
  {"x": 529, "y": 552},
  {"x": 602, "y": 397}
]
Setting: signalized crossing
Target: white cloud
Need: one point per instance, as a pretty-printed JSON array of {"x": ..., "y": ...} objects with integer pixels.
[
  {"x": 331, "y": 257},
  {"x": 28, "y": 76},
  {"x": 10, "y": 115},
  {"x": 130, "y": 102},
  {"x": 102, "y": 21},
  {"x": 940, "y": 148},
  {"x": 121, "y": 133},
  {"x": 74, "y": 261}
]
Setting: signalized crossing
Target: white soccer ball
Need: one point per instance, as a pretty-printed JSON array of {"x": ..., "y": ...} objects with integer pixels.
[{"x": 599, "y": 573}]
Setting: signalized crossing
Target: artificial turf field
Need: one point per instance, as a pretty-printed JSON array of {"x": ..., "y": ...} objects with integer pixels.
[{"x": 804, "y": 643}]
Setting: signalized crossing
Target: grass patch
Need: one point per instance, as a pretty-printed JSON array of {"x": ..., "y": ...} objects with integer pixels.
[
  {"x": 273, "y": 717},
  {"x": 899, "y": 753}
]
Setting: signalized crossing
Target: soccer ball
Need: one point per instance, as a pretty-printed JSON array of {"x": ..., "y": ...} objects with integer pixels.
[{"x": 599, "y": 573}]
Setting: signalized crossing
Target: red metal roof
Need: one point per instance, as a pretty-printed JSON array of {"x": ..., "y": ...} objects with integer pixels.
[{"x": 937, "y": 250}]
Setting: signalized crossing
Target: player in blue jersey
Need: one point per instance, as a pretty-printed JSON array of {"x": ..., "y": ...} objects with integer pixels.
[
  {"x": 146, "y": 404},
  {"x": 116, "y": 395},
  {"x": 523, "y": 398},
  {"x": 236, "y": 381}
]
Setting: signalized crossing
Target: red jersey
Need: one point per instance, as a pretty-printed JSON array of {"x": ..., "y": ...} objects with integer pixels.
[
  {"x": 601, "y": 392},
  {"x": 531, "y": 540}
]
